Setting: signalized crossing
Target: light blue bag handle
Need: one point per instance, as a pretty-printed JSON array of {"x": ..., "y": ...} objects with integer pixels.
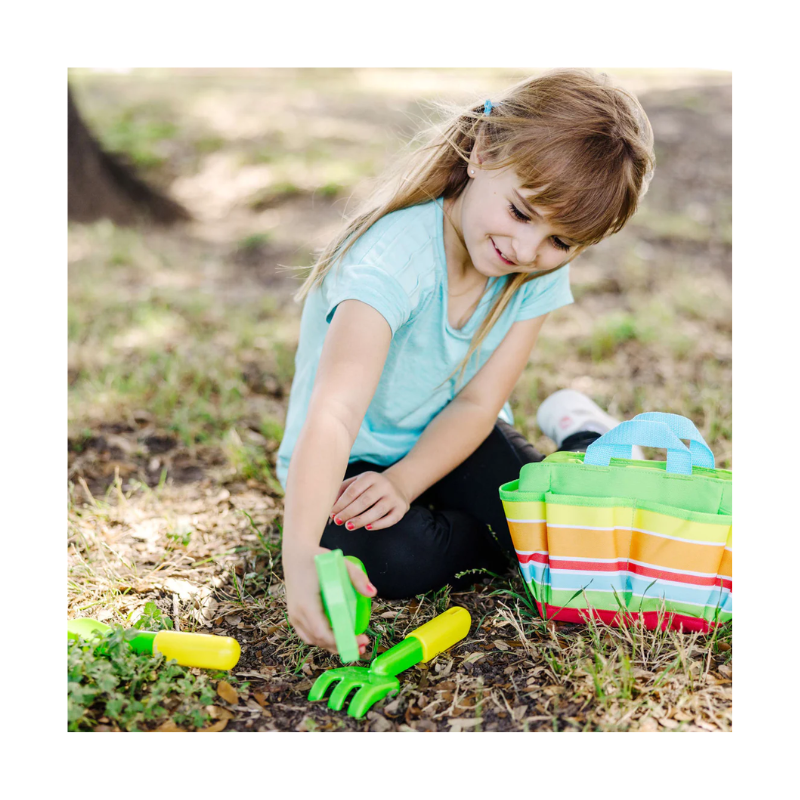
[
  {"x": 619, "y": 441},
  {"x": 685, "y": 429}
]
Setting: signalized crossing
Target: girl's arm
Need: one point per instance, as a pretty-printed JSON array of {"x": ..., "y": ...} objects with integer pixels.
[
  {"x": 350, "y": 366},
  {"x": 380, "y": 499}
]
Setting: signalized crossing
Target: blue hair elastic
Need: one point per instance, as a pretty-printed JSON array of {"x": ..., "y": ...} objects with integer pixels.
[{"x": 487, "y": 108}]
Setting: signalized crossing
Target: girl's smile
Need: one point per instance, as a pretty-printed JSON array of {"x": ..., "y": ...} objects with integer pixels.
[{"x": 500, "y": 254}]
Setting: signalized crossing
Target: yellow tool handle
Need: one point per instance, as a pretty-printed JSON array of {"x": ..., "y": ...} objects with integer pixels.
[
  {"x": 442, "y": 631},
  {"x": 198, "y": 649}
]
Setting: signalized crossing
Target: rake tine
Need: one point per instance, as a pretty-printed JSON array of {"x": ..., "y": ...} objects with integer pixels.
[
  {"x": 339, "y": 694},
  {"x": 366, "y": 697},
  {"x": 321, "y": 685}
]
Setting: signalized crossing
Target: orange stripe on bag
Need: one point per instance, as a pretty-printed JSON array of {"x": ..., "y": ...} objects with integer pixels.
[
  {"x": 726, "y": 565},
  {"x": 528, "y": 535},
  {"x": 622, "y": 543}
]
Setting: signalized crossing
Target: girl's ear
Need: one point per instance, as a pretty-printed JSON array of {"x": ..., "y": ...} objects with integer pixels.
[{"x": 475, "y": 160}]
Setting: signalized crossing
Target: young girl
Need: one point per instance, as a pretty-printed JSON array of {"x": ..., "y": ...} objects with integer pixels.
[{"x": 389, "y": 454}]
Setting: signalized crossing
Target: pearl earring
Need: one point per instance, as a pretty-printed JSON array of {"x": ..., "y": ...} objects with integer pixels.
[{"x": 472, "y": 172}]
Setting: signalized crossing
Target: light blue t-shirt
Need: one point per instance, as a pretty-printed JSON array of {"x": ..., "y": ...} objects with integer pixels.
[{"x": 398, "y": 267}]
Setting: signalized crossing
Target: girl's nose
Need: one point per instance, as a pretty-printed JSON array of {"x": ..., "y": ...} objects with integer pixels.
[{"x": 527, "y": 245}]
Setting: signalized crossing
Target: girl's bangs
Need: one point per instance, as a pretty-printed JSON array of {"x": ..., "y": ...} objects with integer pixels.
[{"x": 589, "y": 195}]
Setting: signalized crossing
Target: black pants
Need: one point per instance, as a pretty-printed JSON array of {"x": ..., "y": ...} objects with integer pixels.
[{"x": 446, "y": 530}]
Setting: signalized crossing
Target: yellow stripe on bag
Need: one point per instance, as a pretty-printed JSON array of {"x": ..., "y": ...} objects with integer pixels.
[
  {"x": 524, "y": 510},
  {"x": 589, "y": 516},
  {"x": 681, "y": 528},
  {"x": 643, "y": 519}
]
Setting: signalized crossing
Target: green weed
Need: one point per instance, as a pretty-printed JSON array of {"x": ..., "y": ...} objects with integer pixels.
[
  {"x": 107, "y": 681},
  {"x": 612, "y": 331},
  {"x": 152, "y": 619},
  {"x": 136, "y": 133},
  {"x": 249, "y": 461},
  {"x": 254, "y": 242}
]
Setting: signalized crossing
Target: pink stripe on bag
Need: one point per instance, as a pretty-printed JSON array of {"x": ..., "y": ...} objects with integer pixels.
[{"x": 670, "y": 620}]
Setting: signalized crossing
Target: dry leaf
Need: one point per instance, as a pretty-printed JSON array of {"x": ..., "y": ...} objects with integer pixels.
[
  {"x": 260, "y": 698},
  {"x": 250, "y": 674},
  {"x": 379, "y": 722},
  {"x": 668, "y": 723},
  {"x": 169, "y": 727},
  {"x": 461, "y": 724},
  {"x": 218, "y": 712},
  {"x": 392, "y": 708},
  {"x": 184, "y": 589},
  {"x": 215, "y": 728},
  {"x": 227, "y": 693},
  {"x": 500, "y": 644}
]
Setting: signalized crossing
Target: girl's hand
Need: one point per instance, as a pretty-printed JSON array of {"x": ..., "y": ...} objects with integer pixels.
[
  {"x": 304, "y": 602},
  {"x": 371, "y": 500}
]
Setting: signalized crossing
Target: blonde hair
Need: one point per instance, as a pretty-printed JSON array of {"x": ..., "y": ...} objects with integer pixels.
[{"x": 583, "y": 146}]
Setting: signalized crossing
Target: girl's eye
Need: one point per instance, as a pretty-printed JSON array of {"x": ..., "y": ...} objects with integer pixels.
[
  {"x": 517, "y": 213},
  {"x": 522, "y": 218},
  {"x": 560, "y": 245}
]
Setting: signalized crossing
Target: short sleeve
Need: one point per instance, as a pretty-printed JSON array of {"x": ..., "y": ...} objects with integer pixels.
[
  {"x": 372, "y": 285},
  {"x": 545, "y": 294}
]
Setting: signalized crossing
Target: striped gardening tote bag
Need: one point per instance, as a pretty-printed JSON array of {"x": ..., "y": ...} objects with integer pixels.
[{"x": 604, "y": 535}]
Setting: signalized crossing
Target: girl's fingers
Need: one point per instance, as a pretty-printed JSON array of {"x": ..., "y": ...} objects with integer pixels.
[
  {"x": 370, "y": 516},
  {"x": 360, "y": 580},
  {"x": 392, "y": 518},
  {"x": 350, "y": 493},
  {"x": 323, "y": 637},
  {"x": 314, "y": 630},
  {"x": 344, "y": 486},
  {"x": 357, "y": 509}
]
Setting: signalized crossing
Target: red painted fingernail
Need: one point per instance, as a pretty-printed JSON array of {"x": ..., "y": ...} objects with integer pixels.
[
  {"x": 349, "y": 526},
  {"x": 369, "y": 527},
  {"x": 337, "y": 520},
  {"x": 371, "y": 588}
]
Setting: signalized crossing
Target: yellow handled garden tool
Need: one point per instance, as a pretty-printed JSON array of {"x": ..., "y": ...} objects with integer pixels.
[
  {"x": 188, "y": 649},
  {"x": 379, "y": 681}
]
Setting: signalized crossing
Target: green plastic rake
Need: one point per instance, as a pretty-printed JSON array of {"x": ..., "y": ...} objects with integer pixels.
[{"x": 378, "y": 680}]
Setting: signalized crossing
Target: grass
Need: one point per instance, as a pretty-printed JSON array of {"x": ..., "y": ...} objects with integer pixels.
[
  {"x": 181, "y": 357},
  {"x": 514, "y": 671}
]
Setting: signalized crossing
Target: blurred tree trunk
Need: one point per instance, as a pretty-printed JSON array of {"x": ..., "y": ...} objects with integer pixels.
[{"x": 104, "y": 185}]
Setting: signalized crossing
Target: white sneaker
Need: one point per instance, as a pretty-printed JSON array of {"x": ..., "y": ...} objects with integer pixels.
[{"x": 568, "y": 411}]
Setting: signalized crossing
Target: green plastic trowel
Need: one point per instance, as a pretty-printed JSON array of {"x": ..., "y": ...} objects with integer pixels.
[{"x": 347, "y": 610}]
